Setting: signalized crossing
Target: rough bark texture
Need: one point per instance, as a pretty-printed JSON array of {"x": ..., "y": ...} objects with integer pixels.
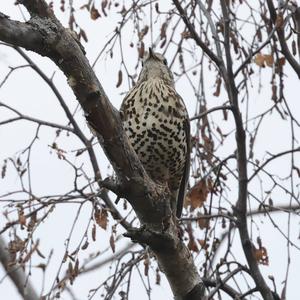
[{"x": 45, "y": 35}]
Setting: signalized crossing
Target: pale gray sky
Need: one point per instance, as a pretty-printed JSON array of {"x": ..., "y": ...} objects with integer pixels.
[{"x": 26, "y": 92}]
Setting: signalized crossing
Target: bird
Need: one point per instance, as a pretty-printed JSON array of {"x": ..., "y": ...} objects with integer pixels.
[{"x": 156, "y": 122}]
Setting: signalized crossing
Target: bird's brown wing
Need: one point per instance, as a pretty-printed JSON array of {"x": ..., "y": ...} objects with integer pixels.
[{"x": 186, "y": 171}]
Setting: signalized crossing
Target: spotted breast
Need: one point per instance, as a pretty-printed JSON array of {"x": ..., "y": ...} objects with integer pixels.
[{"x": 156, "y": 122}]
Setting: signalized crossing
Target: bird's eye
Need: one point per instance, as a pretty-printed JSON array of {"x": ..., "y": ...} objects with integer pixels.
[{"x": 165, "y": 62}]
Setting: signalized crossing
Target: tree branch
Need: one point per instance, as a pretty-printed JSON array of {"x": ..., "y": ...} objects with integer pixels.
[
  {"x": 17, "y": 275},
  {"x": 280, "y": 33},
  {"x": 205, "y": 113},
  {"x": 78, "y": 132},
  {"x": 148, "y": 200},
  {"x": 195, "y": 35},
  {"x": 270, "y": 159},
  {"x": 22, "y": 34},
  {"x": 32, "y": 119},
  {"x": 241, "y": 204}
]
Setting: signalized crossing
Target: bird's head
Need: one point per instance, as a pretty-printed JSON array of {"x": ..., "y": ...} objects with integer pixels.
[{"x": 156, "y": 66}]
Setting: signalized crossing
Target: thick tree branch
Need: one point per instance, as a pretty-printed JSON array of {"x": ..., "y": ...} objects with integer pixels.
[
  {"x": 150, "y": 202},
  {"x": 17, "y": 275},
  {"x": 77, "y": 131},
  {"x": 22, "y": 34},
  {"x": 37, "y": 8}
]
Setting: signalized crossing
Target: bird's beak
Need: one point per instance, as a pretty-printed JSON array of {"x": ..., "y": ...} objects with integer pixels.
[{"x": 151, "y": 53}]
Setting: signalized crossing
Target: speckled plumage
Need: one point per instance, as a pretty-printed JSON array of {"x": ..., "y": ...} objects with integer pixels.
[{"x": 156, "y": 122}]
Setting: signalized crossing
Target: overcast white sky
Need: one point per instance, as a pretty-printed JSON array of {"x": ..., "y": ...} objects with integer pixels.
[{"x": 26, "y": 92}]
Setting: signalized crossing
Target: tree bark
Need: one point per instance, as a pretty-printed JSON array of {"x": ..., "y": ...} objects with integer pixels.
[{"x": 45, "y": 35}]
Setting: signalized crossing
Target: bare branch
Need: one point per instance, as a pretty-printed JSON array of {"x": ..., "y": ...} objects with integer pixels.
[
  {"x": 279, "y": 25},
  {"x": 17, "y": 274},
  {"x": 261, "y": 167},
  {"x": 241, "y": 204},
  {"x": 194, "y": 34},
  {"x": 205, "y": 113},
  {"x": 32, "y": 119},
  {"x": 148, "y": 199},
  {"x": 251, "y": 55}
]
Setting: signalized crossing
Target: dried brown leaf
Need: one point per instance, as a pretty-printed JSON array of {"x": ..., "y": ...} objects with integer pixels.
[
  {"x": 70, "y": 268},
  {"x": 202, "y": 243},
  {"x": 218, "y": 87},
  {"x": 76, "y": 268},
  {"x": 4, "y": 167},
  {"x": 22, "y": 218},
  {"x": 163, "y": 31},
  {"x": 19, "y": 162},
  {"x": 203, "y": 223},
  {"x": 260, "y": 60},
  {"x": 112, "y": 243},
  {"x": 269, "y": 60},
  {"x": 259, "y": 35},
  {"x": 225, "y": 114},
  {"x": 62, "y": 5},
  {"x": 143, "y": 32},
  {"x": 141, "y": 50},
  {"x": 32, "y": 222},
  {"x": 281, "y": 61},
  {"x": 198, "y": 194},
  {"x": 94, "y": 233},
  {"x": 94, "y": 13},
  {"x": 193, "y": 246},
  {"x": 274, "y": 92},
  {"x": 101, "y": 218},
  {"x": 120, "y": 78},
  {"x": 85, "y": 245},
  {"x": 261, "y": 256},
  {"x": 123, "y": 11},
  {"x": 235, "y": 42},
  {"x": 146, "y": 266}
]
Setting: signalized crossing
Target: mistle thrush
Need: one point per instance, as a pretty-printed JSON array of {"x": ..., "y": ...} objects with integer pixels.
[{"x": 156, "y": 122}]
